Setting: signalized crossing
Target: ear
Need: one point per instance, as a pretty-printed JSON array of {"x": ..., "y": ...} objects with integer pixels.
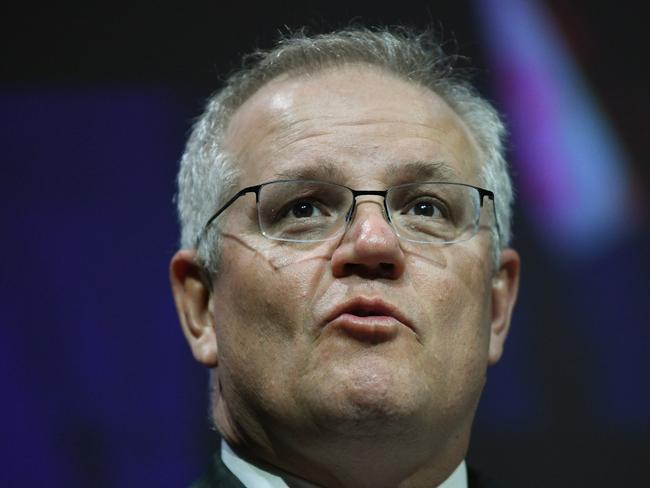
[
  {"x": 192, "y": 297},
  {"x": 505, "y": 285}
]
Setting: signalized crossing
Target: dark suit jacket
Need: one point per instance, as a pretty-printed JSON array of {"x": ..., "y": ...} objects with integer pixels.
[{"x": 219, "y": 476}]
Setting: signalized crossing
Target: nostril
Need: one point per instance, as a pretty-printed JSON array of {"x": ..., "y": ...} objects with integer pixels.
[{"x": 381, "y": 270}]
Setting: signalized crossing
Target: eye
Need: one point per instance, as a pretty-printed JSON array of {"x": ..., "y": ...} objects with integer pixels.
[
  {"x": 427, "y": 208},
  {"x": 424, "y": 208},
  {"x": 304, "y": 209}
]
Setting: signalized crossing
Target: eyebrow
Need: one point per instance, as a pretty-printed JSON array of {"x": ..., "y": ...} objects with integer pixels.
[
  {"x": 420, "y": 171},
  {"x": 321, "y": 170},
  {"x": 395, "y": 173}
]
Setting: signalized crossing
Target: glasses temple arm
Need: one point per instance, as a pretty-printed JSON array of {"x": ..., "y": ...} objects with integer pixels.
[{"x": 241, "y": 192}]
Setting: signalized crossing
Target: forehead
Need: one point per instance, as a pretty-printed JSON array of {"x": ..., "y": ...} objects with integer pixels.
[{"x": 363, "y": 122}]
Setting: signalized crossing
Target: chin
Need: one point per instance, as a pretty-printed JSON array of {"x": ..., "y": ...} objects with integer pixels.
[{"x": 367, "y": 397}]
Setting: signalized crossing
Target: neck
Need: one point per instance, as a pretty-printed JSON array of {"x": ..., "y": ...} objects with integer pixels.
[
  {"x": 377, "y": 453},
  {"x": 407, "y": 460}
]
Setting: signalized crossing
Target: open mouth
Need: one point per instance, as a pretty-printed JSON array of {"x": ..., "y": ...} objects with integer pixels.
[
  {"x": 366, "y": 313},
  {"x": 369, "y": 320}
]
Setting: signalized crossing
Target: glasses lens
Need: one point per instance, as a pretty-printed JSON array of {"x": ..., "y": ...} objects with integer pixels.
[
  {"x": 434, "y": 212},
  {"x": 303, "y": 211}
]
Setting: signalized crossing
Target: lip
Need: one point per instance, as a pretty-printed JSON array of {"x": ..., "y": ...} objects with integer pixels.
[{"x": 368, "y": 319}]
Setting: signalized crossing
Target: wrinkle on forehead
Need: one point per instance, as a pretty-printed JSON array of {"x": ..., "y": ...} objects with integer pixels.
[{"x": 344, "y": 102}]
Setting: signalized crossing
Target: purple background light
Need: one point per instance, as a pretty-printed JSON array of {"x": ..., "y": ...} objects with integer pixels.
[{"x": 570, "y": 165}]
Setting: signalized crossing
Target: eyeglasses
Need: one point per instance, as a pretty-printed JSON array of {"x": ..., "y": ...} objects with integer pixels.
[{"x": 315, "y": 211}]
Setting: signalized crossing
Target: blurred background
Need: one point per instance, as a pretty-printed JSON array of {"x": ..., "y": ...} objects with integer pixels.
[{"x": 98, "y": 386}]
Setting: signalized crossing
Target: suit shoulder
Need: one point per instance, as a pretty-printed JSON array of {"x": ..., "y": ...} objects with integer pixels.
[
  {"x": 476, "y": 479},
  {"x": 217, "y": 476}
]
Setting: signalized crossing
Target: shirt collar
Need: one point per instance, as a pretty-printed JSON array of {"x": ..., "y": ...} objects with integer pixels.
[{"x": 252, "y": 476}]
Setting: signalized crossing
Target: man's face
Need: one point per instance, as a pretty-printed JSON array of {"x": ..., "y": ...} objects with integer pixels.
[{"x": 365, "y": 331}]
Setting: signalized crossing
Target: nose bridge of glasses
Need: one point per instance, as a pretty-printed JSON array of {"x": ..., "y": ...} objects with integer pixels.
[{"x": 365, "y": 201}]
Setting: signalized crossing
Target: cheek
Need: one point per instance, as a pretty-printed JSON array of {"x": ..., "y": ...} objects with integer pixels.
[
  {"x": 261, "y": 308},
  {"x": 262, "y": 298},
  {"x": 451, "y": 286},
  {"x": 454, "y": 294}
]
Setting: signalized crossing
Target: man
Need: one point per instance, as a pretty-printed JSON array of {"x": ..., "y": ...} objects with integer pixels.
[{"x": 345, "y": 270}]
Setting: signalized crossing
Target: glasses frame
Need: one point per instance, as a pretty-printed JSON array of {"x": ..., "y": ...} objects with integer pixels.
[{"x": 348, "y": 216}]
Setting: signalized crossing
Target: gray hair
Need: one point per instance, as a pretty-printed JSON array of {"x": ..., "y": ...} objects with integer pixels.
[{"x": 208, "y": 175}]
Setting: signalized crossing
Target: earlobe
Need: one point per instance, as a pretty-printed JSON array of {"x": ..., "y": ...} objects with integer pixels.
[
  {"x": 505, "y": 285},
  {"x": 192, "y": 298}
]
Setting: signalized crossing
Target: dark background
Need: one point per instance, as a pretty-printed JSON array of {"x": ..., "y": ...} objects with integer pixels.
[{"x": 98, "y": 387}]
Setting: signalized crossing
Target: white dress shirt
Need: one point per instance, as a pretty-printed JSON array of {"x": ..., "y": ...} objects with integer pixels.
[{"x": 253, "y": 477}]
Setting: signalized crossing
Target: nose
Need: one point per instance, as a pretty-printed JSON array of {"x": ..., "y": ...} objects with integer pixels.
[{"x": 370, "y": 248}]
